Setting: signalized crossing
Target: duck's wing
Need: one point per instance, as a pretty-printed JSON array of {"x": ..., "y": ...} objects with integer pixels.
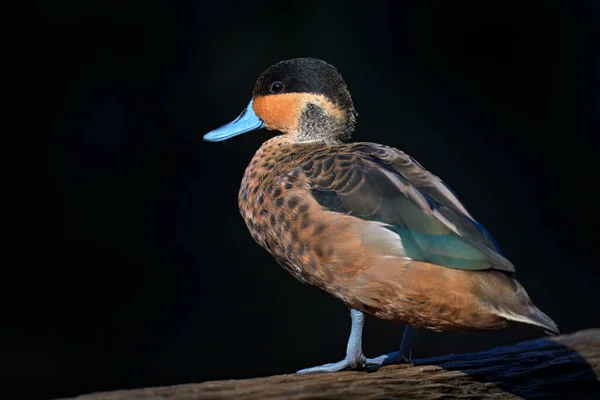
[{"x": 382, "y": 184}]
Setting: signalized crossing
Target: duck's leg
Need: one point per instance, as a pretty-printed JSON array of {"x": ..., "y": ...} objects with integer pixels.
[
  {"x": 354, "y": 356},
  {"x": 401, "y": 356}
]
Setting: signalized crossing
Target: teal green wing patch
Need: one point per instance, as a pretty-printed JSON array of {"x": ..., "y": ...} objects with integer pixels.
[{"x": 446, "y": 250}]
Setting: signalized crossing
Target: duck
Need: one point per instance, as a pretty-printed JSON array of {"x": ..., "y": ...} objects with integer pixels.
[{"x": 365, "y": 222}]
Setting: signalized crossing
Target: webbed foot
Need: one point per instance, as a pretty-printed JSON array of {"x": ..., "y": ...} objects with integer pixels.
[
  {"x": 348, "y": 363},
  {"x": 354, "y": 357},
  {"x": 402, "y": 356},
  {"x": 387, "y": 359}
]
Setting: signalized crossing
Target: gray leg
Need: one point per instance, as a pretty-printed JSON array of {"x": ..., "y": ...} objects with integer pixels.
[
  {"x": 403, "y": 355},
  {"x": 354, "y": 356},
  {"x": 408, "y": 343}
]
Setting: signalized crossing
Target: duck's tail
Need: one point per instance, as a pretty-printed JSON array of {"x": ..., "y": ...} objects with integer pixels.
[
  {"x": 535, "y": 318},
  {"x": 519, "y": 308}
]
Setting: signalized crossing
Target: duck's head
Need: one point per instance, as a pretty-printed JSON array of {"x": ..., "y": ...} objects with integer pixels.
[{"x": 304, "y": 98}]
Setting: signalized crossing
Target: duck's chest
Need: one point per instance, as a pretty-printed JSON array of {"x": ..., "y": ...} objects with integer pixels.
[{"x": 270, "y": 203}]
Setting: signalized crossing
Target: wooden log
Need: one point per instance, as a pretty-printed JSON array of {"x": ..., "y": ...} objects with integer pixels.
[{"x": 567, "y": 366}]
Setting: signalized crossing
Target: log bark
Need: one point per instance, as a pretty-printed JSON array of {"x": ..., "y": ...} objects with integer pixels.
[{"x": 567, "y": 366}]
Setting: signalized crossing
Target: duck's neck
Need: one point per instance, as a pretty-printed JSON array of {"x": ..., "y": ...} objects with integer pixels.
[{"x": 320, "y": 125}]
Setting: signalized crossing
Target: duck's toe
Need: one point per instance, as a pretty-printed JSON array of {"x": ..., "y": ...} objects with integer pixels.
[
  {"x": 351, "y": 362},
  {"x": 402, "y": 356},
  {"x": 387, "y": 359}
]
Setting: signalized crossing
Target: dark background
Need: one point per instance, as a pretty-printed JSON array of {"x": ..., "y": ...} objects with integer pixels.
[{"x": 127, "y": 263}]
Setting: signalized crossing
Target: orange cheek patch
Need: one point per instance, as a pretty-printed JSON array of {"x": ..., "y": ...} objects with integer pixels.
[{"x": 282, "y": 111}]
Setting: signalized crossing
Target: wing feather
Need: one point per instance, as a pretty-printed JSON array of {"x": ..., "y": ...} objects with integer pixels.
[{"x": 382, "y": 184}]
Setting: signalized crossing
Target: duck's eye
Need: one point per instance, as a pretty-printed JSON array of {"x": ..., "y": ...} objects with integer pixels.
[{"x": 276, "y": 87}]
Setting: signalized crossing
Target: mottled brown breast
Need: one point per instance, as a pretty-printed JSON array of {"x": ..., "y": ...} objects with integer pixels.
[{"x": 275, "y": 202}]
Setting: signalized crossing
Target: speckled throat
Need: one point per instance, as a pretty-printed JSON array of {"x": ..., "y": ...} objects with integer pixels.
[{"x": 316, "y": 124}]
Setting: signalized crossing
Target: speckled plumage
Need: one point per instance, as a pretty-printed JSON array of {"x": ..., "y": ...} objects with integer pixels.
[{"x": 344, "y": 255}]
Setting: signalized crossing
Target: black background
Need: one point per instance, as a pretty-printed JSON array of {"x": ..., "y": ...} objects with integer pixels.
[{"x": 132, "y": 266}]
